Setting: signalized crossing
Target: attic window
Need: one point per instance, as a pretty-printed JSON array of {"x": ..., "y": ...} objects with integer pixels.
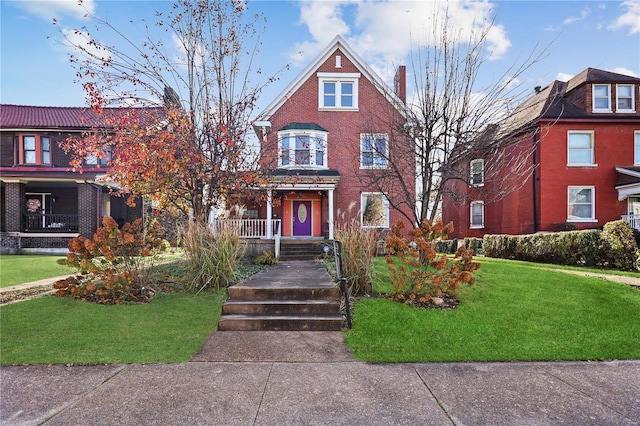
[
  {"x": 338, "y": 91},
  {"x": 625, "y": 100},
  {"x": 338, "y": 61},
  {"x": 601, "y": 98}
]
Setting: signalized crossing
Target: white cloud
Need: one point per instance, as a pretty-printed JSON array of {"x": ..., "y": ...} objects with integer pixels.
[
  {"x": 56, "y": 9},
  {"x": 583, "y": 15},
  {"x": 625, "y": 71},
  {"x": 631, "y": 18},
  {"x": 383, "y": 32},
  {"x": 563, "y": 76}
]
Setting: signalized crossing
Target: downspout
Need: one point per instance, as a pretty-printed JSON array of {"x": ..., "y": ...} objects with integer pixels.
[{"x": 533, "y": 181}]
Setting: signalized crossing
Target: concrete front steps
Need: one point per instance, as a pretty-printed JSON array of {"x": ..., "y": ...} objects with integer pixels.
[
  {"x": 297, "y": 300},
  {"x": 300, "y": 249}
]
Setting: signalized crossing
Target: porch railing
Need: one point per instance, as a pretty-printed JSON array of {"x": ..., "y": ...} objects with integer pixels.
[
  {"x": 633, "y": 220},
  {"x": 249, "y": 228},
  {"x": 37, "y": 222}
]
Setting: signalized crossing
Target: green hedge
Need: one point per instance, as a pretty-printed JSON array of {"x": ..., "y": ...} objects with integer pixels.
[{"x": 614, "y": 247}]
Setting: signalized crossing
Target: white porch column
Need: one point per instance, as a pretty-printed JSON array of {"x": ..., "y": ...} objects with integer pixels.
[
  {"x": 330, "y": 192},
  {"x": 269, "y": 215}
]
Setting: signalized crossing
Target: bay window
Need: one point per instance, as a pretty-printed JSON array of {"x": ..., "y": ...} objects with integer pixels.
[{"x": 302, "y": 148}]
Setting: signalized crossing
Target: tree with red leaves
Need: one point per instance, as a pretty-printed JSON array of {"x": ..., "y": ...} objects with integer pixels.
[{"x": 179, "y": 134}]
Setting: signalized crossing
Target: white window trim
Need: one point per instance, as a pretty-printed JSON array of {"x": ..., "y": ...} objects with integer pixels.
[
  {"x": 593, "y": 148},
  {"x": 471, "y": 183},
  {"x": 636, "y": 147},
  {"x": 313, "y": 135},
  {"x": 593, "y": 98},
  {"x": 591, "y": 219},
  {"x": 332, "y": 77},
  {"x": 633, "y": 98},
  {"x": 471, "y": 224},
  {"x": 373, "y": 166},
  {"x": 385, "y": 204}
]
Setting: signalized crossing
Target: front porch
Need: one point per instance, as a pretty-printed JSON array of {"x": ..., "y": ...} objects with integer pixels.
[{"x": 633, "y": 220}]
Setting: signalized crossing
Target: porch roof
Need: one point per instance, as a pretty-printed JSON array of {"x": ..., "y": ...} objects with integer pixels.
[
  {"x": 305, "y": 178},
  {"x": 628, "y": 183}
]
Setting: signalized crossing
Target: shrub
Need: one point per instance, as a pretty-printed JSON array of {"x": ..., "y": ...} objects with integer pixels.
[
  {"x": 266, "y": 258},
  {"x": 613, "y": 247},
  {"x": 622, "y": 252},
  {"x": 211, "y": 259},
  {"x": 423, "y": 274},
  {"x": 114, "y": 265},
  {"x": 447, "y": 246},
  {"x": 358, "y": 251}
]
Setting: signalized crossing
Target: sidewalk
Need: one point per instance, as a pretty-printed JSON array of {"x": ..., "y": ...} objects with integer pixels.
[{"x": 333, "y": 393}]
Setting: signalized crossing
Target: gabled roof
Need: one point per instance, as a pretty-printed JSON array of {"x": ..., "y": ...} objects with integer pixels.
[
  {"x": 337, "y": 43},
  {"x": 52, "y": 117}
]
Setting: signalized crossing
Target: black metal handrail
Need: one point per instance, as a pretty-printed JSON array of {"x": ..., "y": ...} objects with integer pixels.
[
  {"x": 337, "y": 254},
  {"x": 40, "y": 222}
]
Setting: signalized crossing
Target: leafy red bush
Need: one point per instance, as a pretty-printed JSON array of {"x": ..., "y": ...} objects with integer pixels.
[
  {"x": 112, "y": 264},
  {"x": 423, "y": 274}
]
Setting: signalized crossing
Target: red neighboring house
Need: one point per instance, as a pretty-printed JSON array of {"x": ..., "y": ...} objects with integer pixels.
[
  {"x": 583, "y": 136},
  {"x": 328, "y": 128},
  {"x": 43, "y": 202}
]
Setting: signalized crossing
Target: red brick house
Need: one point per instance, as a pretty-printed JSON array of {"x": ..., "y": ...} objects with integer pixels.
[
  {"x": 43, "y": 202},
  {"x": 583, "y": 137},
  {"x": 328, "y": 128}
]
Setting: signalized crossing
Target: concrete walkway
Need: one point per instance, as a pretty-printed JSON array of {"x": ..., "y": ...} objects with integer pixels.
[{"x": 331, "y": 393}]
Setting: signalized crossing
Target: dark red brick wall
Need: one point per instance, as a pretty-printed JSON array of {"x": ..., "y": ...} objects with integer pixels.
[{"x": 344, "y": 129}]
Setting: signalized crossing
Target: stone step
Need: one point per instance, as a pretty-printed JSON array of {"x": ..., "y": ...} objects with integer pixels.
[
  {"x": 297, "y": 250},
  {"x": 280, "y": 323},
  {"x": 288, "y": 292},
  {"x": 281, "y": 307}
]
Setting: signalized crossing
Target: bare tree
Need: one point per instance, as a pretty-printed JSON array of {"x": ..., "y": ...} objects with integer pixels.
[
  {"x": 197, "y": 63},
  {"x": 451, "y": 120}
]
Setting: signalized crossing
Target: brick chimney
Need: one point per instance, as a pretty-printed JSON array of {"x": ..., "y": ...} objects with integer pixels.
[{"x": 400, "y": 83}]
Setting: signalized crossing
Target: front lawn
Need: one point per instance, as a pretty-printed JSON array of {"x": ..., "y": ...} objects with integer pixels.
[
  {"x": 514, "y": 312},
  {"x": 62, "y": 330},
  {"x": 23, "y": 268}
]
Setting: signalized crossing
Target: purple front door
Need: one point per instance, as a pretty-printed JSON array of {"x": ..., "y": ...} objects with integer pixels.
[{"x": 302, "y": 218}]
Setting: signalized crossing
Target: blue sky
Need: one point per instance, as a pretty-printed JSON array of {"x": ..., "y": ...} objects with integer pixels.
[{"x": 34, "y": 68}]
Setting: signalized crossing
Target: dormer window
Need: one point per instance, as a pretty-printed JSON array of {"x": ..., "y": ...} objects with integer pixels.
[
  {"x": 601, "y": 98},
  {"x": 625, "y": 101},
  {"x": 32, "y": 149},
  {"x": 338, "y": 91},
  {"x": 302, "y": 147}
]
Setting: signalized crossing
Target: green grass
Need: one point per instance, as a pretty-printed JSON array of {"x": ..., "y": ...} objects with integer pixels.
[
  {"x": 52, "y": 330},
  {"x": 18, "y": 269},
  {"x": 514, "y": 312}
]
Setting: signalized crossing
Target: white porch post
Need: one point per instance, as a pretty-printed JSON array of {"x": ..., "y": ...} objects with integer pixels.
[
  {"x": 269, "y": 215},
  {"x": 330, "y": 192}
]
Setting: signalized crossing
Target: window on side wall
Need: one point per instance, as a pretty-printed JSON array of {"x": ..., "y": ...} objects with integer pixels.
[
  {"x": 581, "y": 204},
  {"x": 101, "y": 160},
  {"x": 477, "y": 172},
  {"x": 625, "y": 99},
  {"x": 636, "y": 147},
  {"x": 601, "y": 98},
  {"x": 374, "y": 151},
  {"x": 374, "y": 209},
  {"x": 338, "y": 91},
  {"x": 580, "y": 146},
  {"x": 477, "y": 214},
  {"x": 32, "y": 149}
]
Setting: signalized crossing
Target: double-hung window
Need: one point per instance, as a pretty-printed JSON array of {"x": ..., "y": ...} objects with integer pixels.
[
  {"x": 101, "y": 160},
  {"x": 601, "y": 98},
  {"x": 32, "y": 149},
  {"x": 580, "y": 148},
  {"x": 477, "y": 214},
  {"x": 302, "y": 148},
  {"x": 375, "y": 210},
  {"x": 374, "y": 150},
  {"x": 636, "y": 147},
  {"x": 581, "y": 204},
  {"x": 477, "y": 172},
  {"x": 625, "y": 99},
  {"x": 338, "y": 90}
]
